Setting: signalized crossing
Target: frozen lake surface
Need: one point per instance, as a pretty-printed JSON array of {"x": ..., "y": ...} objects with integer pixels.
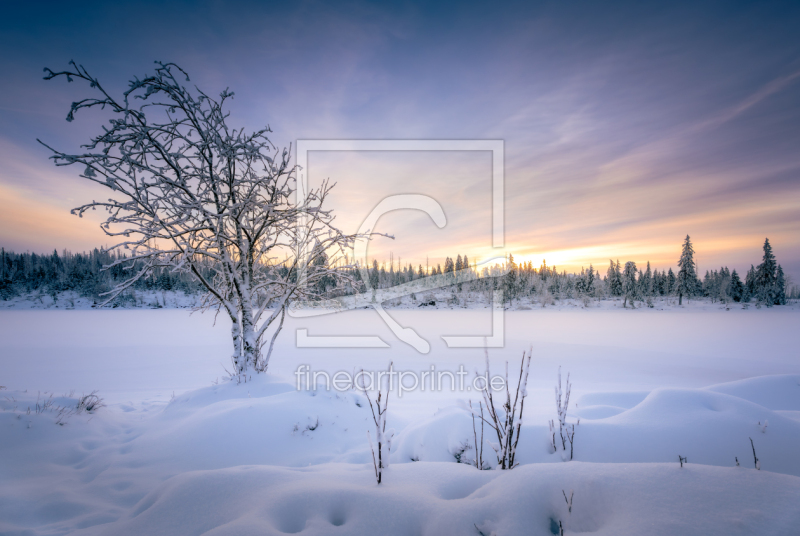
[{"x": 135, "y": 355}]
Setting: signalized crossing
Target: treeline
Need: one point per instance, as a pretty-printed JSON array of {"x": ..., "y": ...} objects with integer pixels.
[
  {"x": 84, "y": 273},
  {"x": 26, "y": 273},
  {"x": 765, "y": 284}
]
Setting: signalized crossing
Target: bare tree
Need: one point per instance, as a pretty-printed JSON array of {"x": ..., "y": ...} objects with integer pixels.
[
  {"x": 506, "y": 420},
  {"x": 197, "y": 196}
]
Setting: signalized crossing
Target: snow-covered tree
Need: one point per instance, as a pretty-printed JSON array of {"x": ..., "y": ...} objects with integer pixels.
[
  {"x": 646, "y": 282},
  {"x": 194, "y": 195},
  {"x": 736, "y": 287},
  {"x": 671, "y": 284},
  {"x": 614, "y": 279},
  {"x": 630, "y": 289},
  {"x": 766, "y": 277},
  {"x": 510, "y": 280},
  {"x": 687, "y": 277},
  {"x": 750, "y": 283},
  {"x": 780, "y": 287}
]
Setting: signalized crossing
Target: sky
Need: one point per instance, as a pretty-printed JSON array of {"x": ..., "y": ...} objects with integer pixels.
[{"x": 626, "y": 125}]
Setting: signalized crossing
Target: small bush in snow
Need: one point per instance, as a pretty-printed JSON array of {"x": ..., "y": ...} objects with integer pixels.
[
  {"x": 506, "y": 420},
  {"x": 90, "y": 403},
  {"x": 380, "y": 456},
  {"x": 566, "y": 432}
]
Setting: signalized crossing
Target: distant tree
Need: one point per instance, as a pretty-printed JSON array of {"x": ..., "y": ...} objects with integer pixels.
[
  {"x": 459, "y": 266},
  {"x": 614, "y": 279},
  {"x": 510, "y": 280},
  {"x": 708, "y": 286},
  {"x": 671, "y": 282},
  {"x": 749, "y": 284},
  {"x": 687, "y": 277},
  {"x": 629, "y": 284},
  {"x": 736, "y": 287},
  {"x": 780, "y": 287},
  {"x": 646, "y": 282},
  {"x": 766, "y": 277}
]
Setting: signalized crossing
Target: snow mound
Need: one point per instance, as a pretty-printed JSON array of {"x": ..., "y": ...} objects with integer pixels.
[
  {"x": 777, "y": 392},
  {"x": 444, "y": 498},
  {"x": 263, "y": 458}
]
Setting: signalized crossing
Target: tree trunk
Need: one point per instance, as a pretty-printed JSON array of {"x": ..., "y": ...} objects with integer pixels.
[
  {"x": 249, "y": 342},
  {"x": 236, "y": 335},
  {"x": 680, "y": 298}
]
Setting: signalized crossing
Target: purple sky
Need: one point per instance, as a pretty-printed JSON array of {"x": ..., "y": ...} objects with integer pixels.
[{"x": 626, "y": 125}]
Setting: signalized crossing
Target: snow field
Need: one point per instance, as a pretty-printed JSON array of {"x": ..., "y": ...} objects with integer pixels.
[{"x": 263, "y": 458}]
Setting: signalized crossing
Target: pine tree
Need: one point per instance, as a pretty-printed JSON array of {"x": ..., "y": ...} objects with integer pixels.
[
  {"x": 629, "y": 284},
  {"x": 614, "y": 278},
  {"x": 671, "y": 282},
  {"x": 780, "y": 287},
  {"x": 736, "y": 287},
  {"x": 765, "y": 277},
  {"x": 646, "y": 282},
  {"x": 374, "y": 277},
  {"x": 750, "y": 284},
  {"x": 510, "y": 280},
  {"x": 687, "y": 277},
  {"x": 459, "y": 266}
]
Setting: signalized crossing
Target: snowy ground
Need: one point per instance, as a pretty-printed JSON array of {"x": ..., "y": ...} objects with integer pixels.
[{"x": 264, "y": 458}]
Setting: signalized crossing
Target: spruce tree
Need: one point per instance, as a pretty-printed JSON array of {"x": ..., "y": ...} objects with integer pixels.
[
  {"x": 780, "y": 287},
  {"x": 765, "y": 278},
  {"x": 510, "y": 280},
  {"x": 687, "y": 277},
  {"x": 736, "y": 287},
  {"x": 374, "y": 277},
  {"x": 646, "y": 282},
  {"x": 671, "y": 282},
  {"x": 459, "y": 266},
  {"x": 750, "y": 284},
  {"x": 629, "y": 284},
  {"x": 614, "y": 279}
]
